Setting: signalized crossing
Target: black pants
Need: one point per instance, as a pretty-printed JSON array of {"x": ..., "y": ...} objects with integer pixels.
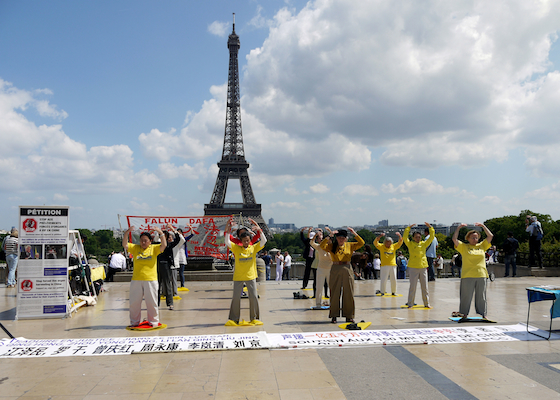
[
  {"x": 535, "y": 252},
  {"x": 431, "y": 272},
  {"x": 165, "y": 284},
  {"x": 307, "y": 273}
]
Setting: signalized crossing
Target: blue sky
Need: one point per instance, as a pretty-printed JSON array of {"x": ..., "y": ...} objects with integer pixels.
[{"x": 351, "y": 112}]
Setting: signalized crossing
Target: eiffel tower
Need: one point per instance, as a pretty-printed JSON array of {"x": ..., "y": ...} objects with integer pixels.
[{"x": 233, "y": 164}]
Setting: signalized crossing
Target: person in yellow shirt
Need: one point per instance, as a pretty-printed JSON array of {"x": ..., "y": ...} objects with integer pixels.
[
  {"x": 418, "y": 263},
  {"x": 245, "y": 272},
  {"x": 474, "y": 272},
  {"x": 342, "y": 277},
  {"x": 144, "y": 283},
  {"x": 388, "y": 253}
]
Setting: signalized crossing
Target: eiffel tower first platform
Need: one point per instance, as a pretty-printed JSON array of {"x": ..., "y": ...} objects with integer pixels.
[{"x": 233, "y": 164}]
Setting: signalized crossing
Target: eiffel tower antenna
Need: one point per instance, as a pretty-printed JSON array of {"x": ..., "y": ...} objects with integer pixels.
[{"x": 233, "y": 164}]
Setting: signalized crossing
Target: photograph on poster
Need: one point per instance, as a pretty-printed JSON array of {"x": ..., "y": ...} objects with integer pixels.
[
  {"x": 55, "y": 251},
  {"x": 30, "y": 252}
]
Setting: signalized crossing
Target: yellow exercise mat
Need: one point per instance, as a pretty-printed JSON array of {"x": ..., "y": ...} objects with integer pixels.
[
  {"x": 174, "y": 297},
  {"x": 389, "y": 295},
  {"x": 146, "y": 327},
  {"x": 254, "y": 322},
  {"x": 307, "y": 289},
  {"x": 359, "y": 325},
  {"x": 183, "y": 289},
  {"x": 418, "y": 307}
]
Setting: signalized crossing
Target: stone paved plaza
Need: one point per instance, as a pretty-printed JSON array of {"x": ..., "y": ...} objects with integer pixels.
[{"x": 497, "y": 370}]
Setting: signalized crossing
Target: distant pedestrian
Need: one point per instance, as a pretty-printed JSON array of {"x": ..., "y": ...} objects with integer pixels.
[
  {"x": 439, "y": 265},
  {"x": 117, "y": 264},
  {"x": 279, "y": 258},
  {"x": 402, "y": 263},
  {"x": 308, "y": 255},
  {"x": 267, "y": 260},
  {"x": 287, "y": 266},
  {"x": 456, "y": 264},
  {"x": 10, "y": 245},
  {"x": 376, "y": 266},
  {"x": 510, "y": 247},
  {"x": 534, "y": 228},
  {"x": 474, "y": 274},
  {"x": 431, "y": 254}
]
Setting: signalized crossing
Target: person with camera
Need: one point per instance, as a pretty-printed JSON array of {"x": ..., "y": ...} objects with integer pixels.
[
  {"x": 144, "y": 283},
  {"x": 534, "y": 228}
]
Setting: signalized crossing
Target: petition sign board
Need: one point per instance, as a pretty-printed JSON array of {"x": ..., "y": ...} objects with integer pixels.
[{"x": 43, "y": 262}]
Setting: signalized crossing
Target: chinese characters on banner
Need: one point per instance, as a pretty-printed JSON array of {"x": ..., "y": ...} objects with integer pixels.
[
  {"x": 208, "y": 239},
  {"x": 25, "y": 348},
  {"x": 43, "y": 263}
]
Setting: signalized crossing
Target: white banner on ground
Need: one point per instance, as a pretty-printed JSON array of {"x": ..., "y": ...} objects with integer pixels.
[
  {"x": 208, "y": 239},
  {"x": 43, "y": 263},
  {"x": 470, "y": 334},
  {"x": 24, "y": 348}
]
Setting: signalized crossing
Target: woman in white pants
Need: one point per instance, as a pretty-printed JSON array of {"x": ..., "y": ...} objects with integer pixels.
[
  {"x": 279, "y": 265},
  {"x": 324, "y": 264},
  {"x": 388, "y": 254}
]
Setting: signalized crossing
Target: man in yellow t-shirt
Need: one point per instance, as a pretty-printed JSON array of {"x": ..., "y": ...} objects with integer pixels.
[
  {"x": 144, "y": 283},
  {"x": 245, "y": 273},
  {"x": 388, "y": 253}
]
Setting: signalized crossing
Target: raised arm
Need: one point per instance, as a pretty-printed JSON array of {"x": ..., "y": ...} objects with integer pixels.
[
  {"x": 376, "y": 240},
  {"x": 125, "y": 238},
  {"x": 455, "y": 237},
  {"x": 163, "y": 243},
  {"x": 489, "y": 235}
]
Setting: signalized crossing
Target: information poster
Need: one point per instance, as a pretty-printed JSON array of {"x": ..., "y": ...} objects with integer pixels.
[{"x": 43, "y": 262}]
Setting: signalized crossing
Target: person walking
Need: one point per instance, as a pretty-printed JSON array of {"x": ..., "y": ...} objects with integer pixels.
[
  {"x": 388, "y": 254},
  {"x": 342, "y": 277},
  {"x": 418, "y": 263},
  {"x": 10, "y": 245},
  {"x": 402, "y": 262},
  {"x": 510, "y": 247},
  {"x": 474, "y": 273}
]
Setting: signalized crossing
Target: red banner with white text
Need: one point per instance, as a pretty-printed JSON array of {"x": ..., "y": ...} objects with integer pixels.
[{"x": 208, "y": 239}]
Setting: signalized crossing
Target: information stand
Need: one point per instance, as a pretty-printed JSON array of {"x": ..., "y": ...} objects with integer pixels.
[{"x": 42, "y": 289}]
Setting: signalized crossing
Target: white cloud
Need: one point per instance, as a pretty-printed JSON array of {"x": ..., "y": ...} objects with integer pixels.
[
  {"x": 403, "y": 200},
  {"x": 60, "y": 197},
  {"x": 283, "y": 204},
  {"x": 441, "y": 84},
  {"x": 419, "y": 186},
  {"x": 44, "y": 158},
  {"x": 219, "y": 28},
  {"x": 362, "y": 190},
  {"x": 319, "y": 188},
  {"x": 491, "y": 200}
]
